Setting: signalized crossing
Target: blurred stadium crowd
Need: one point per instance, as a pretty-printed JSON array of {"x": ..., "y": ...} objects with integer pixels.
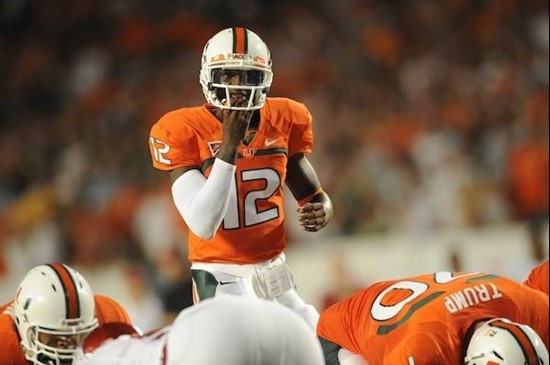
[{"x": 427, "y": 115}]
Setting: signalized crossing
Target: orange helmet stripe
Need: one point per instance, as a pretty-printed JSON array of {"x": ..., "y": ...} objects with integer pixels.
[
  {"x": 72, "y": 302},
  {"x": 521, "y": 337},
  {"x": 240, "y": 40}
]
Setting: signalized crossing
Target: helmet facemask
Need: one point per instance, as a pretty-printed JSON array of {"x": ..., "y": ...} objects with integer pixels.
[
  {"x": 222, "y": 83},
  {"x": 53, "y": 346}
]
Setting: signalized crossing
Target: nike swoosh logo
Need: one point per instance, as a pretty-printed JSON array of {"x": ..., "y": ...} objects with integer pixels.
[
  {"x": 226, "y": 282},
  {"x": 269, "y": 142}
]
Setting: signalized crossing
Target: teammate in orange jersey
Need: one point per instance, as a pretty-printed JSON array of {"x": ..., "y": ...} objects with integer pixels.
[
  {"x": 538, "y": 278},
  {"x": 438, "y": 319},
  {"x": 228, "y": 161},
  {"x": 54, "y": 308}
]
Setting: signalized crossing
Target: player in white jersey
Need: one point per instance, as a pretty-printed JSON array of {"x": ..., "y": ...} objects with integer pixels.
[{"x": 227, "y": 330}]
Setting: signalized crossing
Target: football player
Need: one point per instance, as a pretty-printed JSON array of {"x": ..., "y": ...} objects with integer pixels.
[
  {"x": 54, "y": 308},
  {"x": 230, "y": 330},
  {"x": 228, "y": 161},
  {"x": 538, "y": 278},
  {"x": 439, "y": 319}
]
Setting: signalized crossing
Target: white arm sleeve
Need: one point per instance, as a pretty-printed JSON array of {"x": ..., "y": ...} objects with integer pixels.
[{"x": 201, "y": 201}]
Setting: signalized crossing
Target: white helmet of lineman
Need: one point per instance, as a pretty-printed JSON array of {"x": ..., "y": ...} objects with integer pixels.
[
  {"x": 54, "y": 309},
  {"x": 503, "y": 342},
  {"x": 236, "y": 52}
]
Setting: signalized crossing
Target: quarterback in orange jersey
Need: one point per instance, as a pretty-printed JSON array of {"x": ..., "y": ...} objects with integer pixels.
[
  {"x": 228, "y": 161},
  {"x": 438, "y": 319},
  {"x": 53, "y": 310},
  {"x": 538, "y": 278}
]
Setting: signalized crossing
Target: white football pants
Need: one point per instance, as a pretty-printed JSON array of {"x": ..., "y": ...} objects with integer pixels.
[{"x": 271, "y": 280}]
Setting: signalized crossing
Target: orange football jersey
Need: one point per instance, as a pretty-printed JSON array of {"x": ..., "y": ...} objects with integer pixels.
[
  {"x": 252, "y": 229},
  {"x": 423, "y": 320},
  {"x": 107, "y": 310},
  {"x": 538, "y": 278}
]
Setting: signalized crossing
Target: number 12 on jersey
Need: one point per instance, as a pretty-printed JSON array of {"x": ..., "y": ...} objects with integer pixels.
[{"x": 250, "y": 215}]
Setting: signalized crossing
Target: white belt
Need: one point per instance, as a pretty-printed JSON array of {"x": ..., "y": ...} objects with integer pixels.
[
  {"x": 240, "y": 270},
  {"x": 268, "y": 279}
]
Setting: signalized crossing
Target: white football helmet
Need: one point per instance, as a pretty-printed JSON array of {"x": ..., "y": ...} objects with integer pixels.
[
  {"x": 503, "y": 342},
  {"x": 236, "y": 52},
  {"x": 54, "y": 309}
]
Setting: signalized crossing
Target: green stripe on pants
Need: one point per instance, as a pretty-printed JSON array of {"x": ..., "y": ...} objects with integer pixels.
[
  {"x": 330, "y": 350},
  {"x": 205, "y": 283}
]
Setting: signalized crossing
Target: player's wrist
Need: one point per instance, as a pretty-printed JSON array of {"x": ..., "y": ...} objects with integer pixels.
[
  {"x": 228, "y": 152},
  {"x": 327, "y": 205},
  {"x": 222, "y": 165},
  {"x": 231, "y": 141}
]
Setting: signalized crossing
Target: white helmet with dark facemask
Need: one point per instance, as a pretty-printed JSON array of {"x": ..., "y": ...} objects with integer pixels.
[
  {"x": 503, "y": 342},
  {"x": 230, "y": 53},
  {"x": 54, "y": 309}
]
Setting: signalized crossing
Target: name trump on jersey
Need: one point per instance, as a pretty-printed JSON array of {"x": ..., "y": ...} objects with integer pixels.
[{"x": 470, "y": 296}]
